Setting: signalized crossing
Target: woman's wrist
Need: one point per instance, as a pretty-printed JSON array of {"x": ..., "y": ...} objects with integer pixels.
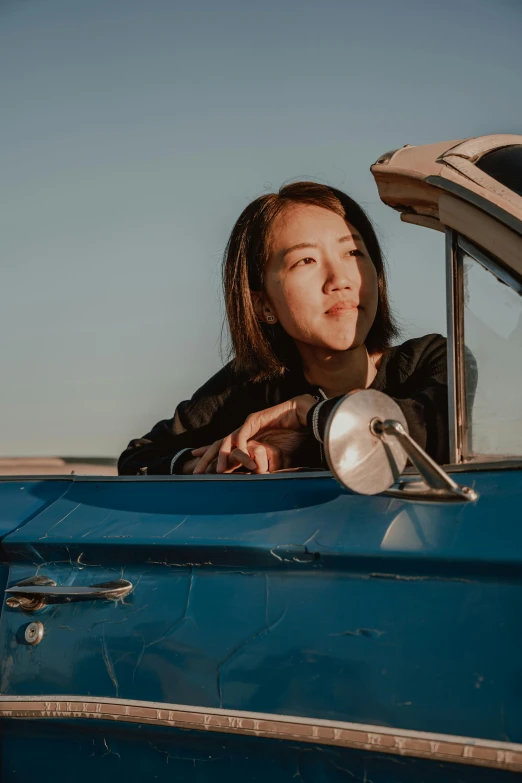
[{"x": 303, "y": 405}]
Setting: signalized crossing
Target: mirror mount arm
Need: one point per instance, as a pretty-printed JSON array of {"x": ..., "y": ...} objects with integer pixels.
[{"x": 434, "y": 476}]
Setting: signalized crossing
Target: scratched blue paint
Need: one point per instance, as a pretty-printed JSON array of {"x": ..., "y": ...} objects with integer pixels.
[
  {"x": 288, "y": 596},
  {"x": 21, "y": 500}
]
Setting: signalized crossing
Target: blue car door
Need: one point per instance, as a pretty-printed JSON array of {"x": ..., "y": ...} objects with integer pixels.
[{"x": 276, "y": 628}]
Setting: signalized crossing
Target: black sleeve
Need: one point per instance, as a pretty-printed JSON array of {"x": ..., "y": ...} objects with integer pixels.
[
  {"x": 153, "y": 453},
  {"x": 417, "y": 381},
  {"x": 215, "y": 410}
]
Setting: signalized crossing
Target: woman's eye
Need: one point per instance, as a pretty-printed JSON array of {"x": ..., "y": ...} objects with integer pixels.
[
  {"x": 305, "y": 261},
  {"x": 355, "y": 253}
]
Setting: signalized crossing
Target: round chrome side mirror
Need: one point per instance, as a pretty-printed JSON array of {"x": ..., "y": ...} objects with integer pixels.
[
  {"x": 367, "y": 446},
  {"x": 359, "y": 458}
]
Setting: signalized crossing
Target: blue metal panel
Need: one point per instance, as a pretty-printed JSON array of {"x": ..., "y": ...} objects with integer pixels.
[
  {"x": 21, "y": 500},
  {"x": 265, "y": 522},
  {"x": 4, "y": 572},
  {"x": 288, "y": 596},
  {"x": 83, "y": 753},
  {"x": 441, "y": 656}
]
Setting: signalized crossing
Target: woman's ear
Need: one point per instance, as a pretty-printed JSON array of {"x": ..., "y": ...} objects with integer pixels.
[{"x": 262, "y": 308}]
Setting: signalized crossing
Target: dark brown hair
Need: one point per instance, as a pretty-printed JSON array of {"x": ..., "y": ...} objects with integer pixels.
[{"x": 262, "y": 351}]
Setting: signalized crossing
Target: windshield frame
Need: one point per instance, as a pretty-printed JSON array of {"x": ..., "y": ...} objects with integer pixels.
[{"x": 459, "y": 422}]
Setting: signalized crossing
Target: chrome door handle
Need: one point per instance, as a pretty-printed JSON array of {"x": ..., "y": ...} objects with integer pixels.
[{"x": 38, "y": 591}]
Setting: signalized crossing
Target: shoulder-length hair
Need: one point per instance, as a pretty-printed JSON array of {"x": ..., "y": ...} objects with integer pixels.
[{"x": 261, "y": 351}]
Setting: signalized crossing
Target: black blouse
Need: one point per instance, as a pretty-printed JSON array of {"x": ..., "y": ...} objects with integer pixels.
[{"x": 414, "y": 374}]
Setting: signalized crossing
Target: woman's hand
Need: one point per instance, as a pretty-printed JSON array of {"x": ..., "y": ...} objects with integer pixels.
[
  {"x": 263, "y": 457},
  {"x": 272, "y": 451},
  {"x": 241, "y": 446}
]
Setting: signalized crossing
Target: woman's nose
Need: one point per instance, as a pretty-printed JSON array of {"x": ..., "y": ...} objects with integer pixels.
[{"x": 337, "y": 277}]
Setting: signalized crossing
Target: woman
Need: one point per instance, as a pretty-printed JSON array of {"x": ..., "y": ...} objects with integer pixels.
[{"x": 309, "y": 319}]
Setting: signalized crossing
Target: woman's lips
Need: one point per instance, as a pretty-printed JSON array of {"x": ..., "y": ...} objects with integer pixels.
[{"x": 342, "y": 307}]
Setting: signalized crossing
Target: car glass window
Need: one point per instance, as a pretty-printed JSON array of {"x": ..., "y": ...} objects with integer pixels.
[
  {"x": 504, "y": 165},
  {"x": 492, "y": 362}
]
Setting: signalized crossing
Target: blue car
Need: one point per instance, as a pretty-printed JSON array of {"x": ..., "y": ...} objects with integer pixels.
[{"x": 360, "y": 624}]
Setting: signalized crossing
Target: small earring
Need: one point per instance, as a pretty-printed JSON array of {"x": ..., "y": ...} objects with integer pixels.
[{"x": 270, "y": 319}]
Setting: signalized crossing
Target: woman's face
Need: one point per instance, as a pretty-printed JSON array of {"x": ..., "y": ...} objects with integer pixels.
[{"x": 320, "y": 281}]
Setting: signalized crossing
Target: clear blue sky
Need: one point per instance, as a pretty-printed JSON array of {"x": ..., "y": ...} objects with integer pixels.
[{"x": 133, "y": 133}]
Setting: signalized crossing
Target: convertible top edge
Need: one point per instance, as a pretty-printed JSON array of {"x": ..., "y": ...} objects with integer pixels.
[{"x": 412, "y": 180}]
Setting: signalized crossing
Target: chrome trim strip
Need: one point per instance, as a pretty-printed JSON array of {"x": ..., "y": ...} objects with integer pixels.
[
  {"x": 463, "y": 435},
  {"x": 400, "y": 742},
  {"x": 454, "y": 450},
  {"x": 455, "y": 325}
]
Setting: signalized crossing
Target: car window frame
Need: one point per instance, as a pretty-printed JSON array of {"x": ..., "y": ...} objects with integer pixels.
[{"x": 457, "y": 245}]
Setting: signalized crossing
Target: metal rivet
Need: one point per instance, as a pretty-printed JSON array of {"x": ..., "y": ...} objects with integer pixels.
[{"x": 34, "y": 633}]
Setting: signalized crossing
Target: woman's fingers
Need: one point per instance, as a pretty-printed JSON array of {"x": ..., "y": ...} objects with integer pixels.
[
  {"x": 260, "y": 458},
  {"x": 212, "y": 467},
  {"x": 276, "y": 459},
  {"x": 289, "y": 415},
  {"x": 229, "y": 458},
  {"x": 259, "y": 453},
  {"x": 209, "y": 455},
  {"x": 264, "y": 457},
  {"x": 227, "y": 446},
  {"x": 237, "y": 459},
  {"x": 226, "y": 456},
  {"x": 217, "y": 458},
  {"x": 255, "y": 422},
  {"x": 200, "y": 451}
]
